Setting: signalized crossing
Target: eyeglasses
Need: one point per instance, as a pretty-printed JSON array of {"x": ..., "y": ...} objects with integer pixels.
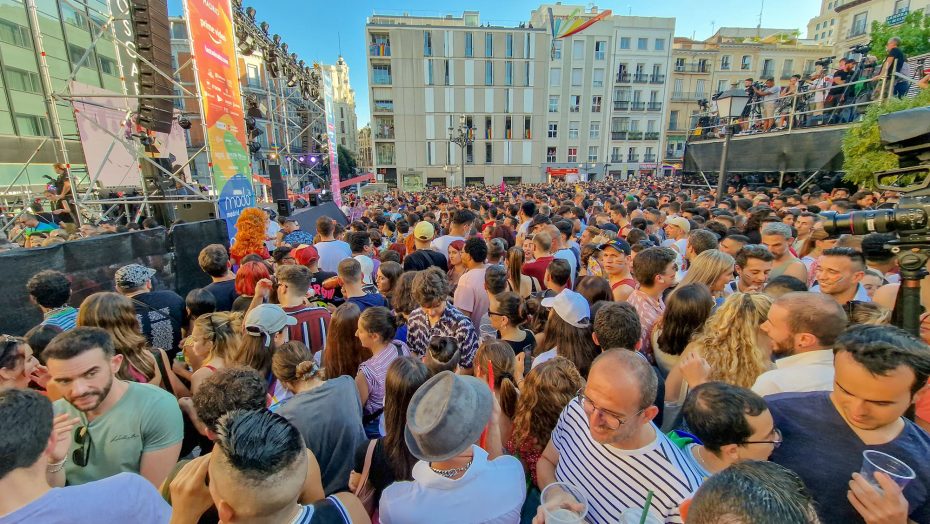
[
  {"x": 495, "y": 314},
  {"x": 614, "y": 421},
  {"x": 81, "y": 455},
  {"x": 777, "y": 442}
]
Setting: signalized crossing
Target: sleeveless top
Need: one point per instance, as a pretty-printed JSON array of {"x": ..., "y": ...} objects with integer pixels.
[{"x": 626, "y": 281}]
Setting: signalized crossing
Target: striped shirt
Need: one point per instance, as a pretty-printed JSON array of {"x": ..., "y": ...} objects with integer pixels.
[
  {"x": 329, "y": 509},
  {"x": 613, "y": 479},
  {"x": 310, "y": 329},
  {"x": 649, "y": 311},
  {"x": 375, "y": 371},
  {"x": 453, "y": 323},
  {"x": 63, "y": 317}
]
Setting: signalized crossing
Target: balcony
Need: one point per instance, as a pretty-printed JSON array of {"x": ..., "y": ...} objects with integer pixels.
[
  {"x": 674, "y": 155},
  {"x": 655, "y": 106},
  {"x": 652, "y": 135},
  {"x": 385, "y": 135},
  {"x": 622, "y": 78},
  {"x": 640, "y": 78},
  {"x": 385, "y": 160},
  {"x": 635, "y": 135},
  {"x": 638, "y": 106},
  {"x": 649, "y": 158},
  {"x": 381, "y": 80},
  {"x": 616, "y": 159},
  {"x": 768, "y": 73},
  {"x": 632, "y": 158},
  {"x": 574, "y": 109},
  {"x": 692, "y": 68},
  {"x": 379, "y": 49},
  {"x": 618, "y": 135},
  {"x": 384, "y": 106},
  {"x": 686, "y": 96},
  {"x": 657, "y": 79},
  {"x": 621, "y": 105}
]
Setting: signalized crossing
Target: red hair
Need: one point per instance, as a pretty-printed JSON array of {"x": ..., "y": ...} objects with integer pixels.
[
  {"x": 250, "y": 233},
  {"x": 248, "y": 275}
]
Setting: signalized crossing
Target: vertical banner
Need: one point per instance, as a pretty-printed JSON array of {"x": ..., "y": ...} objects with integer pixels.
[
  {"x": 331, "y": 137},
  {"x": 210, "y": 23}
]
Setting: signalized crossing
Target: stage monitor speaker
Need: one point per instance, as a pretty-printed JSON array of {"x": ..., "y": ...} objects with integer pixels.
[
  {"x": 196, "y": 211},
  {"x": 314, "y": 199},
  {"x": 284, "y": 207},
  {"x": 153, "y": 43},
  {"x": 278, "y": 187}
]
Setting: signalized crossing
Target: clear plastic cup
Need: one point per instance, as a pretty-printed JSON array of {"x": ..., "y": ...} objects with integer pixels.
[
  {"x": 633, "y": 516},
  {"x": 873, "y": 461},
  {"x": 563, "y": 504}
]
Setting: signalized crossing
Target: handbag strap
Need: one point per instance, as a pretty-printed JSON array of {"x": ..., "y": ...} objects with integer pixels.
[{"x": 366, "y": 469}]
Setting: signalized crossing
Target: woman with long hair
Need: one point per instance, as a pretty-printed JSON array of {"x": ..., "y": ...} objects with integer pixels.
[
  {"x": 250, "y": 235},
  {"x": 729, "y": 343},
  {"x": 265, "y": 329},
  {"x": 327, "y": 412},
  {"x": 376, "y": 328},
  {"x": 753, "y": 227},
  {"x": 344, "y": 352},
  {"x": 568, "y": 336},
  {"x": 141, "y": 363},
  {"x": 503, "y": 232},
  {"x": 522, "y": 284},
  {"x": 713, "y": 268},
  {"x": 403, "y": 303},
  {"x": 548, "y": 388},
  {"x": 18, "y": 365},
  {"x": 497, "y": 357},
  {"x": 213, "y": 340},
  {"x": 391, "y": 458},
  {"x": 456, "y": 266},
  {"x": 248, "y": 275},
  {"x": 386, "y": 279},
  {"x": 508, "y": 319},
  {"x": 686, "y": 310}
]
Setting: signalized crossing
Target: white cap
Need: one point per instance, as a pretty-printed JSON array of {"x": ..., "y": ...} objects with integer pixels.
[
  {"x": 571, "y": 307},
  {"x": 368, "y": 267}
]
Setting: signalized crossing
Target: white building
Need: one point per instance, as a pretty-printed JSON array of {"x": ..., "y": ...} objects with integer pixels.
[{"x": 344, "y": 106}]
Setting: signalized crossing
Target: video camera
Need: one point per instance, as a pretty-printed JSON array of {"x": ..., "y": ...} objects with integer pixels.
[
  {"x": 825, "y": 61},
  {"x": 861, "y": 49}
]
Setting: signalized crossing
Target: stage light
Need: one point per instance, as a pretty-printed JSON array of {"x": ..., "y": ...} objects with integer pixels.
[
  {"x": 246, "y": 45},
  {"x": 301, "y": 159},
  {"x": 313, "y": 159},
  {"x": 184, "y": 122}
]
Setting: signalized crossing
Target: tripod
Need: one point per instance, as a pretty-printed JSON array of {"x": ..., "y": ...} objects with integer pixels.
[{"x": 912, "y": 260}]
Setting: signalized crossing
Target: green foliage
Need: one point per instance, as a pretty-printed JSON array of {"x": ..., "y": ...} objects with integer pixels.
[
  {"x": 863, "y": 153},
  {"x": 347, "y": 162},
  {"x": 914, "y": 33}
]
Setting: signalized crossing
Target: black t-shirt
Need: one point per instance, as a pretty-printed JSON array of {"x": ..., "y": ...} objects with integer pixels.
[
  {"x": 899, "y": 59},
  {"x": 381, "y": 475},
  {"x": 843, "y": 75},
  {"x": 161, "y": 315},
  {"x": 225, "y": 294},
  {"x": 424, "y": 259},
  {"x": 329, "y": 296},
  {"x": 528, "y": 344}
]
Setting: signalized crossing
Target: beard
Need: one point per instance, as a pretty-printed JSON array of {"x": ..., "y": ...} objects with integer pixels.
[
  {"x": 96, "y": 397},
  {"x": 781, "y": 348}
]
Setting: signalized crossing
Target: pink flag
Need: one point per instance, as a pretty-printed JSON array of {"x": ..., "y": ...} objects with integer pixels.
[{"x": 503, "y": 185}]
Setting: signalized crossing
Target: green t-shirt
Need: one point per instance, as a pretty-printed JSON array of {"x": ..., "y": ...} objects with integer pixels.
[
  {"x": 41, "y": 227},
  {"x": 147, "y": 418}
]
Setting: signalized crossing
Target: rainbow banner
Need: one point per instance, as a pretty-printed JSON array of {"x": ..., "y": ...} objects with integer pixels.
[
  {"x": 572, "y": 24},
  {"x": 213, "y": 47}
]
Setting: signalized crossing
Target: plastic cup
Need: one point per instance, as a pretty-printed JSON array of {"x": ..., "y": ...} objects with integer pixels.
[
  {"x": 873, "y": 461},
  {"x": 633, "y": 516},
  {"x": 563, "y": 504}
]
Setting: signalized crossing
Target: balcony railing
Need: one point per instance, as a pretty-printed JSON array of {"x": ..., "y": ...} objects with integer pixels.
[
  {"x": 621, "y": 105},
  {"x": 384, "y": 106},
  {"x": 616, "y": 159},
  {"x": 657, "y": 79},
  {"x": 692, "y": 68},
  {"x": 385, "y": 136},
  {"x": 618, "y": 135},
  {"x": 635, "y": 135},
  {"x": 686, "y": 96},
  {"x": 381, "y": 80},
  {"x": 669, "y": 154},
  {"x": 574, "y": 109},
  {"x": 649, "y": 158},
  {"x": 655, "y": 106},
  {"x": 640, "y": 78},
  {"x": 632, "y": 158},
  {"x": 638, "y": 106},
  {"x": 623, "y": 78},
  {"x": 386, "y": 160},
  {"x": 379, "y": 50},
  {"x": 652, "y": 135}
]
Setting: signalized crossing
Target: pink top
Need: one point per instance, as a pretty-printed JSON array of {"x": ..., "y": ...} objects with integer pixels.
[{"x": 649, "y": 311}]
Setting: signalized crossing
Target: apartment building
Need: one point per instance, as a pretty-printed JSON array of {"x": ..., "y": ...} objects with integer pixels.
[
  {"x": 854, "y": 19},
  {"x": 364, "y": 149},
  {"x": 430, "y": 74},
  {"x": 606, "y": 91},
  {"x": 344, "y": 106},
  {"x": 702, "y": 68},
  {"x": 822, "y": 28}
]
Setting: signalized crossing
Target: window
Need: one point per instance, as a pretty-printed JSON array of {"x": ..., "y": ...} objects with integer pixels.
[
  {"x": 527, "y": 74},
  {"x": 745, "y": 63},
  {"x": 447, "y": 73},
  {"x": 488, "y": 45},
  {"x": 15, "y": 34},
  {"x": 508, "y": 49},
  {"x": 677, "y": 89},
  {"x": 768, "y": 67},
  {"x": 673, "y": 120},
  {"x": 19, "y": 80},
  {"x": 33, "y": 125},
  {"x": 642, "y": 44},
  {"x": 108, "y": 66},
  {"x": 253, "y": 77},
  {"x": 427, "y": 43},
  {"x": 576, "y": 76},
  {"x": 660, "y": 44},
  {"x": 651, "y": 126},
  {"x": 817, "y": 27},
  {"x": 597, "y": 78},
  {"x": 596, "y": 101},
  {"x": 75, "y": 53},
  {"x": 573, "y": 130},
  {"x": 381, "y": 74},
  {"x": 592, "y": 153},
  {"x": 488, "y": 73},
  {"x": 679, "y": 64},
  {"x": 488, "y": 131},
  {"x": 555, "y": 77},
  {"x": 553, "y": 103},
  {"x": 859, "y": 24},
  {"x": 72, "y": 16},
  {"x": 788, "y": 67},
  {"x": 574, "y": 103},
  {"x": 527, "y": 127},
  {"x": 469, "y": 49},
  {"x": 595, "y": 131},
  {"x": 488, "y": 153},
  {"x": 551, "y": 154},
  {"x": 572, "y": 154},
  {"x": 577, "y": 49},
  {"x": 429, "y": 153},
  {"x": 699, "y": 90},
  {"x": 508, "y": 73},
  {"x": 832, "y": 22},
  {"x": 624, "y": 42},
  {"x": 725, "y": 62},
  {"x": 600, "y": 50},
  {"x": 899, "y": 6},
  {"x": 508, "y": 128},
  {"x": 429, "y": 72},
  {"x": 553, "y": 130},
  {"x": 721, "y": 86},
  {"x": 616, "y": 155},
  {"x": 557, "y": 50}
]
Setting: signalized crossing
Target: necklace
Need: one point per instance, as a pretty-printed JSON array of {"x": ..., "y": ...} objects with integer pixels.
[{"x": 449, "y": 473}]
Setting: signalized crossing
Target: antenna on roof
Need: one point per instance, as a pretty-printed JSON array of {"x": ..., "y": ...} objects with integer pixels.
[
  {"x": 339, "y": 39},
  {"x": 761, "y": 8},
  {"x": 713, "y": 27}
]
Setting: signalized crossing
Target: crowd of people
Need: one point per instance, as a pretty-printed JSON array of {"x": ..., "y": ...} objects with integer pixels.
[{"x": 571, "y": 352}]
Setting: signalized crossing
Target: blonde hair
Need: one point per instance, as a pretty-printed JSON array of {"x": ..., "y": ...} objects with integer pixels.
[
  {"x": 117, "y": 315},
  {"x": 223, "y": 329},
  {"x": 728, "y": 340},
  {"x": 707, "y": 268}
]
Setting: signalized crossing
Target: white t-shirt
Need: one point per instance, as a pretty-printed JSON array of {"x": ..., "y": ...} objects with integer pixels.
[
  {"x": 441, "y": 244},
  {"x": 332, "y": 252},
  {"x": 809, "y": 371}
]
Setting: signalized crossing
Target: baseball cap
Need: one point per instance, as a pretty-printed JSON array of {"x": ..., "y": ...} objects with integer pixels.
[
  {"x": 620, "y": 245},
  {"x": 571, "y": 307},
  {"x": 681, "y": 222},
  {"x": 610, "y": 227},
  {"x": 305, "y": 255},
  {"x": 424, "y": 231},
  {"x": 266, "y": 320},
  {"x": 133, "y": 276},
  {"x": 368, "y": 267}
]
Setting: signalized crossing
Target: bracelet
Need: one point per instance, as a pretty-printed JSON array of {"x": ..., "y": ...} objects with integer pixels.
[{"x": 58, "y": 466}]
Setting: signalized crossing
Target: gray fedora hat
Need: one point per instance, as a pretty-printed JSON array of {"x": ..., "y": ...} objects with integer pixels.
[{"x": 446, "y": 415}]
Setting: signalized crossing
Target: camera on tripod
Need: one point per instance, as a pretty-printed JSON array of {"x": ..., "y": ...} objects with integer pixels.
[
  {"x": 825, "y": 61},
  {"x": 703, "y": 104},
  {"x": 861, "y": 49}
]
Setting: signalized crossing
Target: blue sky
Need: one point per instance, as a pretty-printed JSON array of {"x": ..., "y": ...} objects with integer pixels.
[{"x": 313, "y": 29}]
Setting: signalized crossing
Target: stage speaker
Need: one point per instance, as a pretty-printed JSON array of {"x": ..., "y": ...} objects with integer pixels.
[
  {"x": 314, "y": 199},
  {"x": 153, "y": 43},
  {"x": 195, "y": 211},
  {"x": 278, "y": 187},
  {"x": 284, "y": 207}
]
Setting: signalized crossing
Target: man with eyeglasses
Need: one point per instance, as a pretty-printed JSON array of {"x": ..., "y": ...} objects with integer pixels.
[
  {"x": 126, "y": 426},
  {"x": 607, "y": 446},
  {"x": 732, "y": 424},
  {"x": 840, "y": 273}
]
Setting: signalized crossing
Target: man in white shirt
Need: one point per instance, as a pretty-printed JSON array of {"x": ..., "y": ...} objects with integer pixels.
[
  {"x": 462, "y": 222},
  {"x": 676, "y": 232},
  {"x": 840, "y": 274},
  {"x": 803, "y": 327},
  {"x": 331, "y": 251},
  {"x": 606, "y": 445}
]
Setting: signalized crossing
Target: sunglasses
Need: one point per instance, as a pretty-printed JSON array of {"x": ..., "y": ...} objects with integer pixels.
[{"x": 81, "y": 455}]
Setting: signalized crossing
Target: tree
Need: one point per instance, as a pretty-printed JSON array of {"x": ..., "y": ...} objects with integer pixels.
[
  {"x": 914, "y": 33},
  {"x": 347, "y": 163}
]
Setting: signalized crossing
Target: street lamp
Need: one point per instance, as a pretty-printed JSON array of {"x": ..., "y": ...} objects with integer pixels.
[
  {"x": 462, "y": 137},
  {"x": 730, "y": 105}
]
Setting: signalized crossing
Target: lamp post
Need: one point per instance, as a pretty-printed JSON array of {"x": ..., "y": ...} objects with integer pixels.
[
  {"x": 730, "y": 105},
  {"x": 462, "y": 137}
]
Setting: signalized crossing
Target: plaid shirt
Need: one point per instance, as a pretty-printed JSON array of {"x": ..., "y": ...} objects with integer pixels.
[
  {"x": 453, "y": 323},
  {"x": 649, "y": 310}
]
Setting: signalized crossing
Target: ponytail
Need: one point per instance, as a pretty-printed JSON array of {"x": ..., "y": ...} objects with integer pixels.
[
  {"x": 381, "y": 321},
  {"x": 515, "y": 258},
  {"x": 293, "y": 362},
  {"x": 500, "y": 357}
]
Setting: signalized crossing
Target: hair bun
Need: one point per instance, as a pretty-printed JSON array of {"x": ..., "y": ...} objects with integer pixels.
[{"x": 306, "y": 369}]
